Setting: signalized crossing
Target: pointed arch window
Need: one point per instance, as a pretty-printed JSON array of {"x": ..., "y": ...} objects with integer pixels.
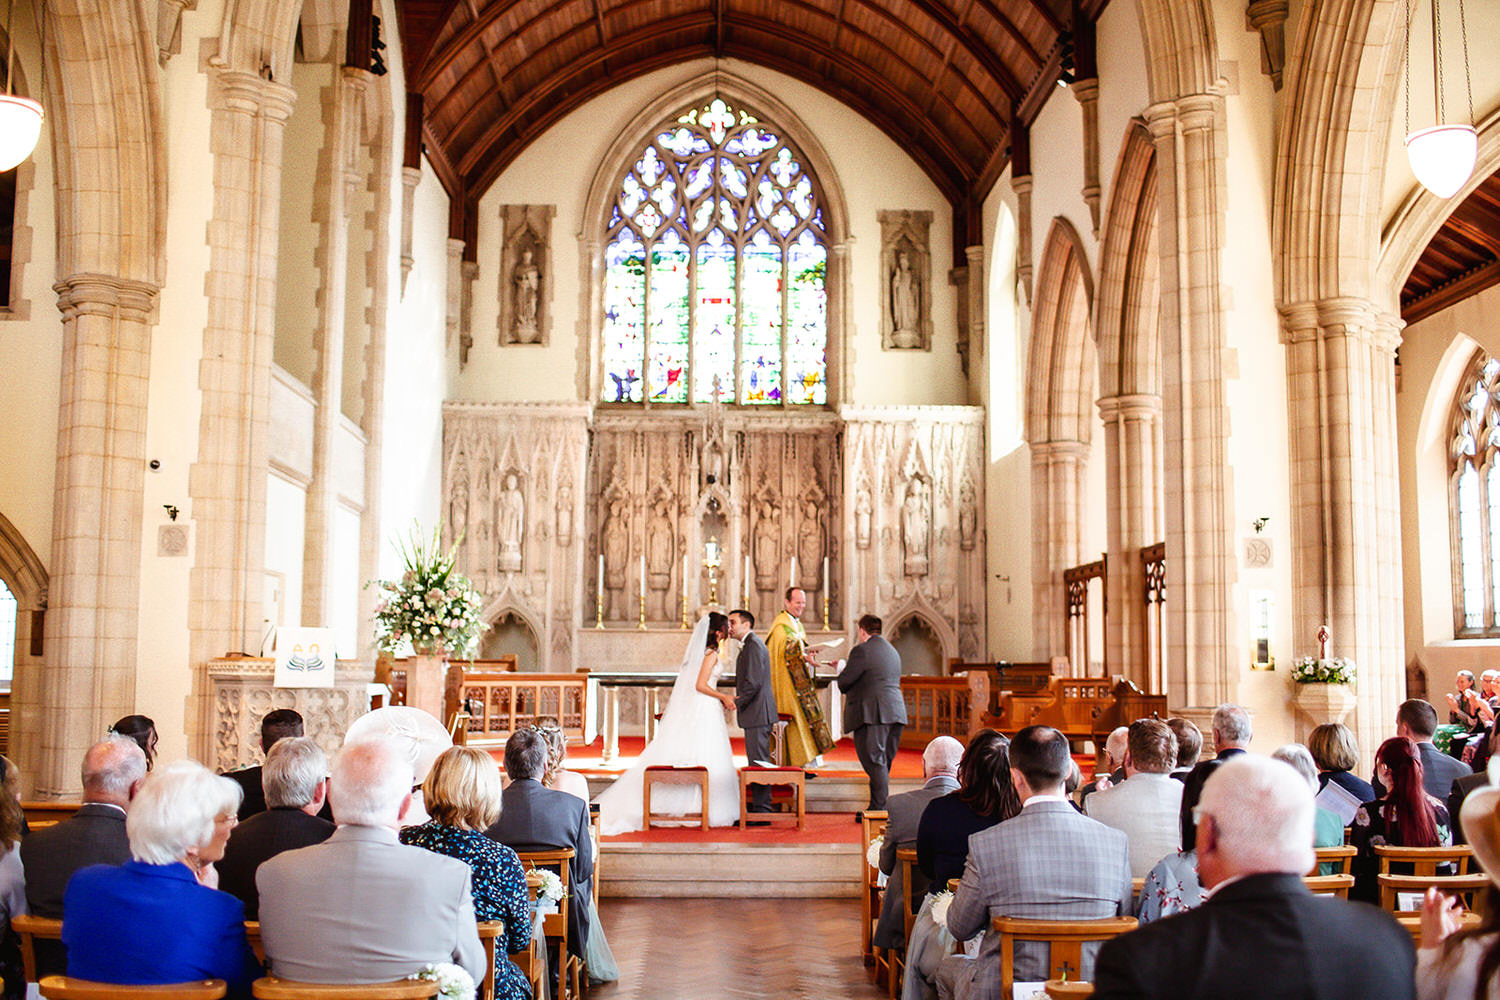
[
  {"x": 1474, "y": 500},
  {"x": 715, "y": 260}
]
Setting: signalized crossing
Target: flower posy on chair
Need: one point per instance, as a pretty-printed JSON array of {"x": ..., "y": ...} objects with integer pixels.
[{"x": 432, "y": 607}]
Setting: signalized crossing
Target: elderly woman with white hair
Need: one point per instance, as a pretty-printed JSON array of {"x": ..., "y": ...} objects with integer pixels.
[{"x": 160, "y": 918}]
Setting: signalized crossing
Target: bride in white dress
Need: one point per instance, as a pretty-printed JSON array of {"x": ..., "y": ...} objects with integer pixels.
[{"x": 692, "y": 733}]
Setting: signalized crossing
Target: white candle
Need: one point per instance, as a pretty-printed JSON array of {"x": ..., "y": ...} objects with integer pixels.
[
  {"x": 791, "y": 577},
  {"x": 687, "y": 569},
  {"x": 825, "y": 578},
  {"x": 745, "y": 584},
  {"x": 601, "y": 576},
  {"x": 643, "y": 576}
]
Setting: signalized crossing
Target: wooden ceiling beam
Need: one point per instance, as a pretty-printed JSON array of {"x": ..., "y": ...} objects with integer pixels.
[
  {"x": 1469, "y": 284},
  {"x": 1010, "y": 28},
  {"x": 975, "y": 47},
  {"x": 441, "y": 59}
]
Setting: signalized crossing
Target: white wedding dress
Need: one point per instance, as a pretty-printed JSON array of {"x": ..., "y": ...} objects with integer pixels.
[{"x": 692, "y": 733}]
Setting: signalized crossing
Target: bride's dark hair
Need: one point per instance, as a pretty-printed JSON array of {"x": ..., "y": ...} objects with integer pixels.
[{"x": 718, "y": 628}]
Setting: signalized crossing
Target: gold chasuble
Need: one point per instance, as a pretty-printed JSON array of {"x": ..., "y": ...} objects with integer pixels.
[{"x": 791, "y": 679}]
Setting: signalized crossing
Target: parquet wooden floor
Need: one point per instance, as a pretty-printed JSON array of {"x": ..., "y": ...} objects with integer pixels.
[{"x": 708, "y": 949}]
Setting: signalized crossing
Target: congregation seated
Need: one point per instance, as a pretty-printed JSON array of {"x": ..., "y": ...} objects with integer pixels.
[
  {"x": 1416, "y": 721},
  {"x": 1328, "y": 829},
  {"x": 462, "y": 795},
  {"x": 1336, "y": 752},
  {"x": 1232, "y": 733},
  {"x": 1404, "y": 816},
  {"x": 558, "y": 776},
  {"x": 1462, "y": 965},
  {"x": 985, "y": 797},
  {"x": 1189, "y": 746},
  {"x": 294, "y": 786},
  {"x": 1261, "y": 932},
  {"x": 536, "y": 818},
  {"x": 142, "y": 730},
  {"x": 361, "y": 907},
  {"x": 1466, "y": 706},
  {"x": 1469, "y": 783},
  {"x": 159, "y": 918},
  {"x": 1045, "y": 863},
  {"x": 279, "y": 723},
  {"x": 1145, "y": 806},
  {"x": 940, "y": 760},
  {"x": 1114, "y": 763}
]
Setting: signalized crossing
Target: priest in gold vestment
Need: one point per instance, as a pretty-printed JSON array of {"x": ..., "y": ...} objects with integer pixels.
[{"x": 807, "y": 734}]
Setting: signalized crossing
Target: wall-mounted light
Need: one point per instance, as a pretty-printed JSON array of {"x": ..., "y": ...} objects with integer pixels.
[
  {"x": 20, "y": 117},
  {"x": 1441, "y": 157}
]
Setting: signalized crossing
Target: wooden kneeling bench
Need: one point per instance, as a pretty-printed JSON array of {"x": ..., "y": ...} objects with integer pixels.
[
  {"x": 776, "y": 777},
  {"x": 668, "y": 775}
]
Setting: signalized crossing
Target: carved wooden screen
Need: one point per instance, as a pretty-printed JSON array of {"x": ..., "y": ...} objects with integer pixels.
[
  {"x": 1154, "y": 568},
  {"x": 715, "y": 261},
  {"x": 1076, "y": 586},
  {"x": 1474, "y": 500}
]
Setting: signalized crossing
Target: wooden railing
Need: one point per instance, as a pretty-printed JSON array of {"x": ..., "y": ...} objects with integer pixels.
[
  {"x": 1076, "y": 587},
  {"x": 500, "y": 703},
  {"x": 943, "y": 706},
  {"x": 1154, "y": 567}
]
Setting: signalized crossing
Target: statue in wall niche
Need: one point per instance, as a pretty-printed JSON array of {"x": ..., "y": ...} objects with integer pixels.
[
  {"x": 510, "y": 524},
  {"x": 915, "y": 526},
  {"x": 810, "y": 550},
  {"x": 526, "y": 282},
  {"x": 864, "y": 510},
  {"x": 458, "y": 509},
  {"x": 565, "y": 515},
  {"x": 906, "y": 294},
  {"x": 968, "y": 518},
  {"x": 659, "y": 556},
  {"x": 767, "y": 544},
  {"x": 616, "y": 549}
]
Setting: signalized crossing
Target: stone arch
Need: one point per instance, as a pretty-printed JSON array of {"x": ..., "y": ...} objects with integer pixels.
[
  {"x": 613, "y": 166},
  {"x": 502, "y": 609},
  {"x": 1126, "y": 318},
  {"x": 916, "y": 607},
  {"x": 259, "y": 37},
  {"x": 26, "y": 578},
  {"x": 1181, "y": 50},
  {"x": 1059, "y": 423}
]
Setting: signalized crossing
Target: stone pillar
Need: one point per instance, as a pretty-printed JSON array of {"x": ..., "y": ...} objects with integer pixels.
[
  {"x": 1131, "y": 428},
  {"x": 336, "y": 185},
  {"x": 1190, "y": 145},
  {"x": 1022, "y": 187},
  {"x": 1058, "y": 473},
  {"x": 91, "y": 624},
  {"x": 1087, "y": 94},
  {"x": 410, "y": 178},
  {"x": 228, "y": 481},
  {"x": 1346, "y": 538}
]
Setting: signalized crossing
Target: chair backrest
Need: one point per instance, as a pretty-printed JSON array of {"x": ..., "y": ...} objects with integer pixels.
[
  {"x": 1424, "y": 860},
  {"x": 554, "y": 925},
  {"x": 1065, "y": 939},
  {"x": 28, "y": 929},
  {"x": 906, "y": 857},
  {"x": 1339, "y": 857},
  {"x": 1059, "y": 990},
  {"x": 1329, "y": 885},
  {"x": 272, "y": 988},
  {"x": 66, "y": 988},
  {"x": 252, "y": 934},
  {"x": 490, "y": 933},
  {"x": 594, "y": 839},
  {"x": 1470, "y": 887},
  {"x": 1413, "y": 924}
]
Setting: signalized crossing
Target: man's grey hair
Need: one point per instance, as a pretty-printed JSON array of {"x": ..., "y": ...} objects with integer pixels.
[
  {"x": 1262, "y": 812},
  {"x": 1231, "y": 727},
  {"x": 110, "y": 767},
  {"x": 294, "y": 766},
  {"x": 1116, "y": 744},
  {"x": 941, "y": 756},
  {"x": 525, "y": 755},
  {"x": 175, "y": 811},
  {"x": 370, "y": 779},
  {"x": 1300, "y": 759}
]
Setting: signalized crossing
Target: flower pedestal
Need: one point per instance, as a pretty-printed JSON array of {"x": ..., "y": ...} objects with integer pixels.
[
  {"x": 1323, "y": 703},
  {"x": 424, "y": 684}
]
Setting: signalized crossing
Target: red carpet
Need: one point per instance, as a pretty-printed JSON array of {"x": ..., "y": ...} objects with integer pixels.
[{"x": 819, "y": 828}]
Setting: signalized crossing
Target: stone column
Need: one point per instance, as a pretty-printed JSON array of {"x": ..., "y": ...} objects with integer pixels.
[
  {"x": 91, "y": 624},
  {"x": 1190, "y": 144},
  {"x": 1058, "y": 472},
  {"x": 1022, "y": 187},
  {"x": 228, "y": 481},
  {"x": 1131, "y": 426},
  {"x": 1346, "y": 550}
]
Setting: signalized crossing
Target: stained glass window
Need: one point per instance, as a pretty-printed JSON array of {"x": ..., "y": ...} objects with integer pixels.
[
  {"x": 1474, "y": 458},
  {"x": 715, "y": 267}
]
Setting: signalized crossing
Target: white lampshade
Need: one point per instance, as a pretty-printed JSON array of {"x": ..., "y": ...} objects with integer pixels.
[
  {"x": 1442, "y": 157},
  {"x": 20, "y": 127}
]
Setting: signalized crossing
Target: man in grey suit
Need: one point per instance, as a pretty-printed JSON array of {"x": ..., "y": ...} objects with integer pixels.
[
  {"x": 904, "y": 811},
  {"x": 874, "y": 710},
  {"x": 1045, "y": 863},
  {"x": 1417, "y": 721},
  {"x": 362, "y": 907},
  {"x": 754, "y": 700},
  {"x": 536, "y": 818}
]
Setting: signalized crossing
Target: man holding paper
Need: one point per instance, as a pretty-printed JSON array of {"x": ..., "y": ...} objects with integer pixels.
[
  {"x": 807, "y": 734},
  {"x": 874, "y": 710}
]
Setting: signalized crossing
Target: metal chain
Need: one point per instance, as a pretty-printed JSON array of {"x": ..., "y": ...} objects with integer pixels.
[
  {"x": 1437, "y": 61},
  {"x": 1463, "y": 27},
  {"x": 1406, "y": 58}
]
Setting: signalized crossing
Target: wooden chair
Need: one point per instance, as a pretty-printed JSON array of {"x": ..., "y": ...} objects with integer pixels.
[
  {"x": 44, "y": 814},
  {"x": 1059, "y": 990},
  {"x": 1065, "y": 939},
  {"x": 1339, "y": 857},
  {"x": 668, "y": 775},
  {"x": 1425, "y": 860},
  {"x": 1413, "y": 923},
  {"x": 872, "y": 826},
  {"x": 272, "y": 988},
  {"x": 794, "y": 777},
  {"x": 776, "y": 746},
  {"x": 594, "y": 839},
  {"x": 1470, "y": 887},
  {"x": 906, "y": 860},
  {"x": 490, "y": 931},
  {"x": 29, "y": 929},
  {"x": 252, "y": 934},
  {"x": 1329, "y": 885},
  {"x": 555, "y": 925},
  {"x": 67, "y": 988}
]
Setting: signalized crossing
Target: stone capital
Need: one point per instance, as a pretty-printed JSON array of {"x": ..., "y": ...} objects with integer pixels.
[
  {"x": 251, "y": 94},
  {"x": 106, "y": 295},
  {"x": 1129, "y": 406},
  {"x": 411, "y": 177},
  {"x": 1058, "y": 452},
  {"x": 1340, "y": 316},
  {"x": 1086, "y": 90},
  {"x": 1021, "y": 184}
]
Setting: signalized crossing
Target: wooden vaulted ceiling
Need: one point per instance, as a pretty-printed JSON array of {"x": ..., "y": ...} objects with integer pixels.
[
  {"x": 951, "y": 81},
  {"x": 1461, "y": 260}
]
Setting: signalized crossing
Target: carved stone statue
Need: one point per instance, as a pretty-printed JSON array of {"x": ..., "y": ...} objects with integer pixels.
[
  {"x": 565, "y": 515},
  {"x": 510, "y": 524},
  {"x": 906, "y": 294},
  {"x": 810, "y": 550},
  {"x": 659, "y": 557},
  {"x": 767, "y": 544},
  {"x": 526, "y": 281},
  {"x": 968, "y": 518},
  {"x": 458, "y": 508},
  {"x": 863, "y": 511},
  {"x": 915, "y": 527},
  {"x": 616, "y": 552}
]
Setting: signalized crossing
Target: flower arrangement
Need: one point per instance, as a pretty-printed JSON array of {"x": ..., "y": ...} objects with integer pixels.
[
  {"x": 431, "y": 607},
  {"x": 549, "y": 886},
  {"x": 453, "y": 982},
  {"x": 872, "y": 853},
  {"x": 1330, "y": 670}
]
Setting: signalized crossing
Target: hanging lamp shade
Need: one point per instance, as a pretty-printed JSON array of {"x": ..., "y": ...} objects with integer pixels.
[
  {"x": 1442, "y": 157},
  {"x": 20, "y": 127}
]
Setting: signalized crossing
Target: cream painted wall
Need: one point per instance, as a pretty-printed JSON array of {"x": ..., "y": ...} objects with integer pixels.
[
  {"x": 1434, "y": 354},
  {"x": 559, "y": 167},
  {"x": 297, "y": 275}
]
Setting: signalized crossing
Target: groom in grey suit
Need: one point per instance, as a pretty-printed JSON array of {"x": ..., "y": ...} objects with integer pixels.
[
  {"x": 754, "y": 701},
  {"x": 874, "y": 708}
]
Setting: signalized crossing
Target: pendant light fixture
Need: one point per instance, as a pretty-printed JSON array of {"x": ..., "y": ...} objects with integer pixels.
[
  {"x": 20, "y": 117},
  {"x": 1441, "y": 157}
]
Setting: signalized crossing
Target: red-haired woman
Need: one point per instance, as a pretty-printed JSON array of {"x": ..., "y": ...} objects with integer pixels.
[{"x": 1406, "y": 817}]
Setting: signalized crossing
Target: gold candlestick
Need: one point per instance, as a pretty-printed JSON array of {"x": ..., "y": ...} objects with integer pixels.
[
  {"x": 713, "y": 589},
  {"x": 684, "y": 606},
  {"x": 599, "y": 610},
  {"x": 642, "y": 625},
  {"x": 825, "y": 612}
]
